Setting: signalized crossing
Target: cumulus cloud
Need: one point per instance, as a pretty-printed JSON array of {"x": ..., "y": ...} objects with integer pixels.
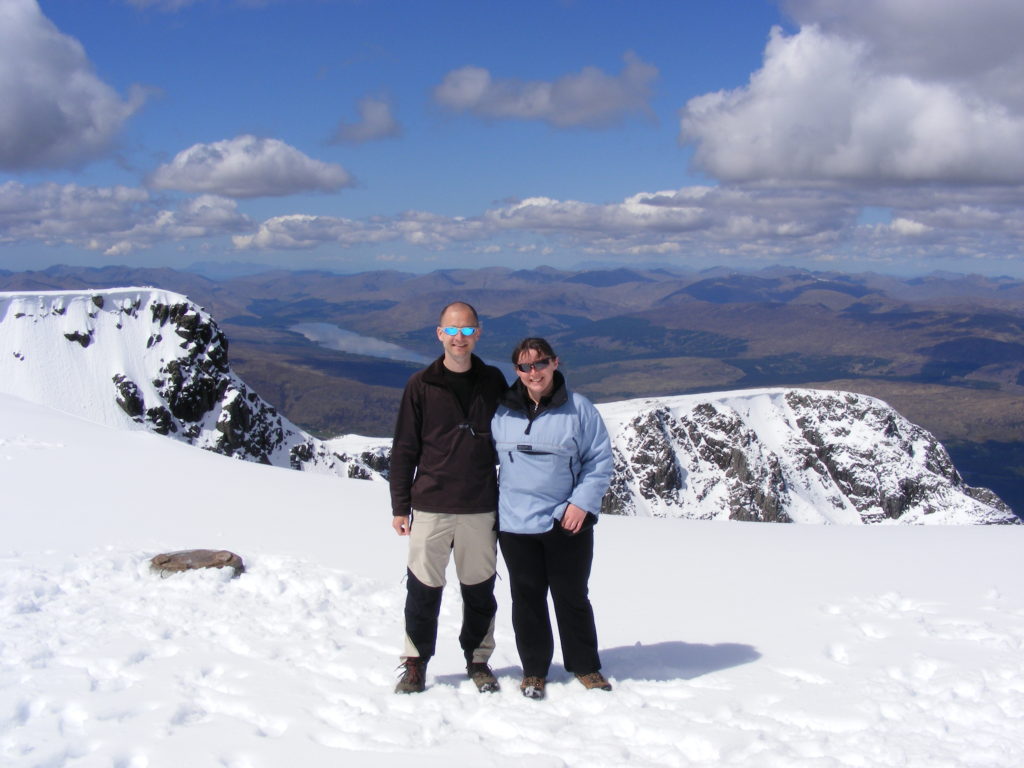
[
  {"x": 908, "y": 227},
  {"x": 247, "y": 166},
  {"x": 376, "y": 121},
  {"x": 752, "y": 223},
  {"x": 747, "y": 222},
  {"x": 589, "y": 98},
  {"x": 766, "y": 223},
  {"x": 414, "y": 227},
  {"x": 301, "y": 231},
  {"x": 976, "y": 44},
  {"x": 55, "y": 111},
  {"x": 114, "y": 220},
  {"x": 654, "y": 221},
  {"x": 884, "y": 90}
]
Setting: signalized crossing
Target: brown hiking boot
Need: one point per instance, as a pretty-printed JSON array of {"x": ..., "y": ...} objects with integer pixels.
[
  {"x": 532, "y": 687},
  {"x": 594, "y": 681},
  {"x": 482, "y": 676},
  {"x": 414, "y": 676}
]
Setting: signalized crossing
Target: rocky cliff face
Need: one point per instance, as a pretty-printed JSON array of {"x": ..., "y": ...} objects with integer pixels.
[
  {"x": 786, "y": 456},
  {"x": 153, "y": 359}
]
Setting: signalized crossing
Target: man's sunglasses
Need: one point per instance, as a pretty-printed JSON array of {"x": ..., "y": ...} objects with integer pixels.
[
  {"x": 536, "y": 365},
  {"x": 452, "y": 330}
]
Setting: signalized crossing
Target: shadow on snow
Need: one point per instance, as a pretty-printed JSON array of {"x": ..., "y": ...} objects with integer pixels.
[
  {"x": 673, "y": 660},
  {"x": 659, "y": 662}
]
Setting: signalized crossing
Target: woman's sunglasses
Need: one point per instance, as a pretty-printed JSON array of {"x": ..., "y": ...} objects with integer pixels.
[
  {"x": 536, "y": 365},
  {"x": 452, "y": 330}
]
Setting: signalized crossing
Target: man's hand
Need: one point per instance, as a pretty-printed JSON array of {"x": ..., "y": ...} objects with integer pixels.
[
  {"x": 573, "y": 518},
  {"x": 402, "y": 524}
]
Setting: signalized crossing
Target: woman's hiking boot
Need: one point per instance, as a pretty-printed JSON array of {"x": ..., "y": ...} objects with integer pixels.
[
  {"x": 532, "y": 687},
  {"x": 594, "y": 681}
]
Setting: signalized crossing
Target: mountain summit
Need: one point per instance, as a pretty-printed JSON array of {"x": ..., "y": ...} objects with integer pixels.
[{"x": 144, "y": 358}]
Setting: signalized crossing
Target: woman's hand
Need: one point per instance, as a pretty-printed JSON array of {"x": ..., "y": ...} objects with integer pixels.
[{"x": 573, "y": 518}]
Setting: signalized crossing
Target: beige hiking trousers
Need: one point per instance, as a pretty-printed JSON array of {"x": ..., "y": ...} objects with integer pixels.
[{"x": 435, "y": 537}]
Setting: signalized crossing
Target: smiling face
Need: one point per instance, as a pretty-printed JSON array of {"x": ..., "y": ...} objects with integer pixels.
[
  {"x": 458, "y": 349},
  {"x": 538, "y": 383}
]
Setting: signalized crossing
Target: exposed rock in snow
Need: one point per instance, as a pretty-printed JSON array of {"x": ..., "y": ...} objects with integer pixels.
[
  {"x": 783, "y": 455},
  {"x": 146, "y": 358}
]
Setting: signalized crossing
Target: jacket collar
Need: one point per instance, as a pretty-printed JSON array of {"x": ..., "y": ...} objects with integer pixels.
[
  {"x": 517, "y": 398},
  {"x": 434, "y": 373}
]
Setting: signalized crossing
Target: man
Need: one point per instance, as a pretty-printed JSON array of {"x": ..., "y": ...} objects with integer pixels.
[{"x": 444, "y": 497}]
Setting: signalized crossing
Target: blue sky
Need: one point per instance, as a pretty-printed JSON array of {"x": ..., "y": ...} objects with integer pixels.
[{"x": 882, "y": 135}]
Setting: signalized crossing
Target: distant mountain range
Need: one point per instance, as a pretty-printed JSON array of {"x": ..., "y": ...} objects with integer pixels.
[{"x": 146, "y": 358}]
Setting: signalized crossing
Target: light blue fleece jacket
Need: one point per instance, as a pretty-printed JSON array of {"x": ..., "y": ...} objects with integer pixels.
[{"x": 562, "y": 456}]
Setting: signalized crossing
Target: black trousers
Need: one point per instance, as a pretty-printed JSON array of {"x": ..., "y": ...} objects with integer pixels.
[{"x": 558, "y": 562}]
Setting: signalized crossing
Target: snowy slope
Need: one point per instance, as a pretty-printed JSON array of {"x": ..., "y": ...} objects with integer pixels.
[
  {"x": 729, "y": 644},
  {"x": 147, "y": 358},
  {"x": 786, "y": 455}
]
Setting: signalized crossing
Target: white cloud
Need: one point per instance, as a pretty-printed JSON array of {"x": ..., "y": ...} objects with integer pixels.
[
  {"x": 115, "y": 220},
  {"x": 588, "y": 98},
  {"x": 247, "y": 166},
  {"x": 376, "y": 121},
  {"x": 976, "y": 44},
  {"x": 55, "y": 111},
  {"x": 880, "y": 91},
  {"x": 300, "y": 231},
  {"x": 771, "y": 222},
  {"x": 749, "y": 222},
  {"x": 753, "y": 223},
  {"x": 908, "y": 227},
  {"x": 414, "y": 227},
  {"x": 55, "y": 213}
]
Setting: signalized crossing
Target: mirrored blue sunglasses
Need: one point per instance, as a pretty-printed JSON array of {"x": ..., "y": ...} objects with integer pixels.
[{"x": 452, "y": 330}]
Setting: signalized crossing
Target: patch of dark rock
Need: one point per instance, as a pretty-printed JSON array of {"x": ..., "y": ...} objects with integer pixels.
[
  {"x": 357, "y": 472},
  {"x": 130, "y": 399},
  {"x": 85, "y": 339},
  {"x": 161, "y": 420},
  {"x": 194, "y": 559}
]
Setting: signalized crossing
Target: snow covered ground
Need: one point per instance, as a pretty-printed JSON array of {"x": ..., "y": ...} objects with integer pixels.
[{"x": 729, "y": 644}]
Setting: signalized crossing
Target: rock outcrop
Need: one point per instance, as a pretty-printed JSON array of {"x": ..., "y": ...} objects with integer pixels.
[
  {"x": 785, "y": 455},
  {"x": 152, "y": 359}
]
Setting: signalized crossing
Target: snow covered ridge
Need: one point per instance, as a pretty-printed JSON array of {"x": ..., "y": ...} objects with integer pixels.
[
  {"x": 147, "y": 358},
  {"x": 786, "y": 455},
  {"x": 151, "y": 359}
]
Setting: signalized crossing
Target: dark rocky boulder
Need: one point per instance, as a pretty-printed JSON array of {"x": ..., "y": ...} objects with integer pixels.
[{"x": 192, "y": 559}]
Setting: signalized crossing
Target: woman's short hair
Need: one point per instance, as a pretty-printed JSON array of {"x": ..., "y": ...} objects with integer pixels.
[{"x": 540, "y": 346}]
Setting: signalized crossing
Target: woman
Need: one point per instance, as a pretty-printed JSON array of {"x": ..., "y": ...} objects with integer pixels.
[{"x": 556, "y": 463}]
